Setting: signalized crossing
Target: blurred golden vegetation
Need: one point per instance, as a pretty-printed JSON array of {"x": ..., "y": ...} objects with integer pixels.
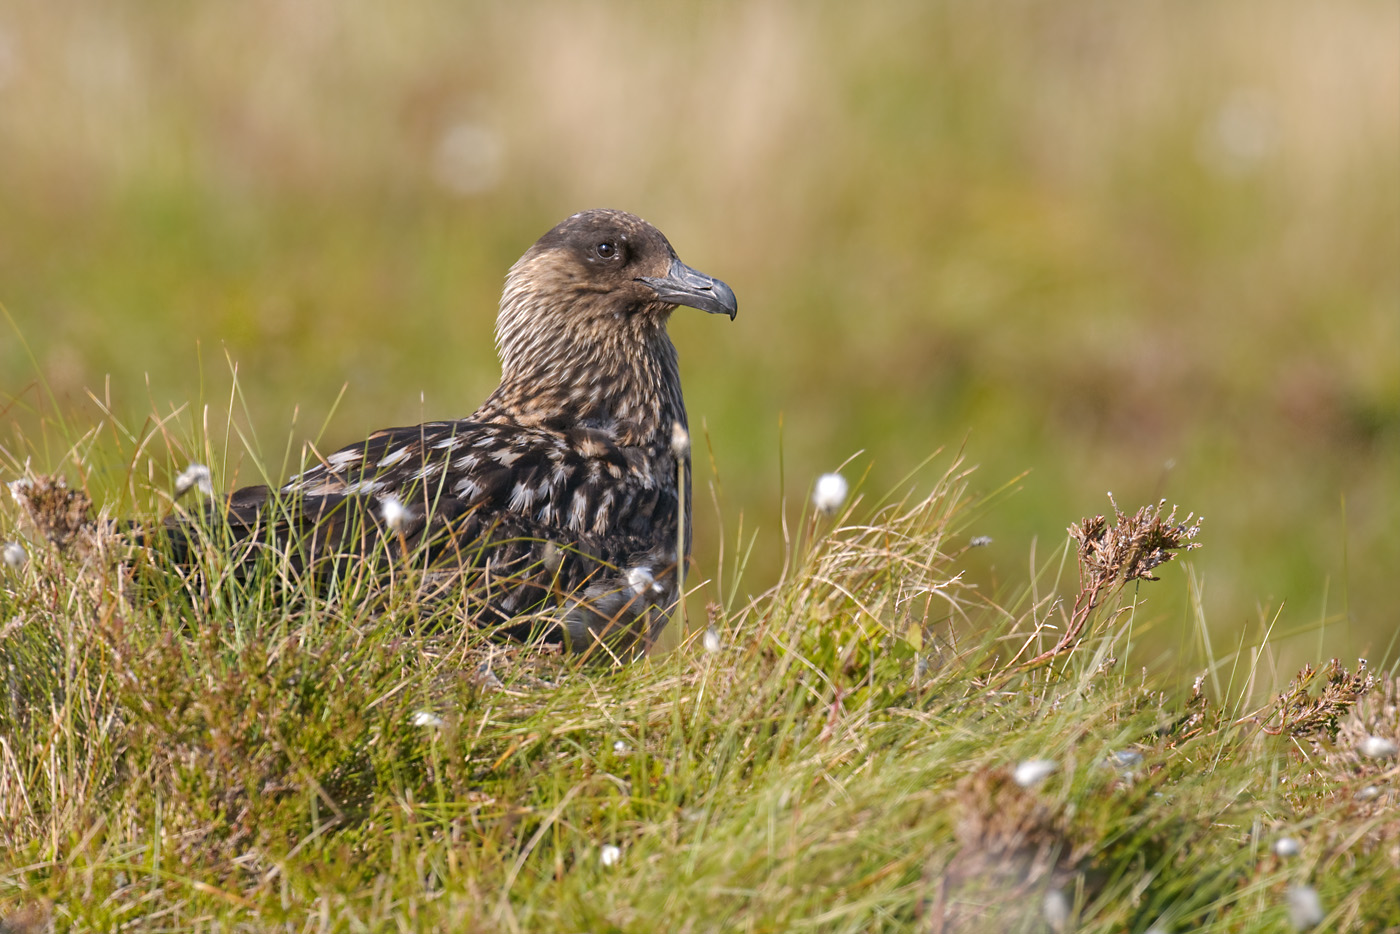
[{"x": 1150, "y": 248}]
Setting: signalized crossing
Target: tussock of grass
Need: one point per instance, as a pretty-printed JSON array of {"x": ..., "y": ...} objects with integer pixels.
[{"x": 841, "y": 756}]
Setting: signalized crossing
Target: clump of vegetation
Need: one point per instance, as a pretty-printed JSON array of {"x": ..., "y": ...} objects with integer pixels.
[
  {"x": 850, "y": 750},
  {"x": 59, "y": 514},
  {"x": 1112, "y": 555},
  {"x": 1299, "y": 712}
]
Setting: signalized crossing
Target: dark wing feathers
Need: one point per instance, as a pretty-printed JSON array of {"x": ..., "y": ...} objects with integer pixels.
[
  {"x": 523, "y": 516},
  {"x": 581, "y": 480}
]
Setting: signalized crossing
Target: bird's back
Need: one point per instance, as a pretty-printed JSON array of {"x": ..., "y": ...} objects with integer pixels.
[{"x": 516, "y": 519}]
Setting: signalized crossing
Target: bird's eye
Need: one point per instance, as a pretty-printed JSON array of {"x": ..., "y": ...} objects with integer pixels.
[{"x": 605, "y": 250}]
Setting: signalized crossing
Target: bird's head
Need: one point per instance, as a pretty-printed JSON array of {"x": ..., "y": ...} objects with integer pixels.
[{"x": 601, "y": 273}]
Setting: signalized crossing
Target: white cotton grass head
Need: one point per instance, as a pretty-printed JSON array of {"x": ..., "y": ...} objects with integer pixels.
[
  {"x": 640, "y": 580},
  {"x": 610, "y": 855},
  {"x": 830, "y": 493},
  {"x": 1056, "y": 908},
  {"x": 680, "y": 441},
  {"x": 1304, "y": 907},
  {"x": 1031, "y": 772},
  {"x": 711, "y": 641},
  {"x": 428, "y": 720},
  {"x": 392, "y": 509},
  {"x": 14, "y": 555},
  {"x": 1287, "y": 847},
  {"x": 1378, "y": 747},
  {"x": 194, "y": 477},
  {"x": 1124, "y": 759},
  {"x": 621, "y": 748}
]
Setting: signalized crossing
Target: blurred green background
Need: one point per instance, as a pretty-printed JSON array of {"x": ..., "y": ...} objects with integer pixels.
[{"x": 1150, "y": 247}]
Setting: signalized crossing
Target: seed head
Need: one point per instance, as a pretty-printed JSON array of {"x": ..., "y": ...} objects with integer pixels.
[
  {"x": 610, "y": 855},
  {"x": 1056, "y": 907},
  {"x": 426, "y": 718},
  {"x": 194, "y": 477},
  {"x": 680, "y": 441},
  {"x": 1304, "y": 907},
  {"x": 1286, "y": 847},
  {"x": 14, "y": 555},
  {"x": 830, "y": 493},
  {"x": 1378, "y": 747},
  {"x": 1032, "y": 772},
  {"x": 1131, "y": 547},
  {"x": 711, "y": 641},
  {"x": 640, "y": 580},
  {"x": 393, "y": 511},
  {"x": 1124, "y": 759},
  {"x": 60, "y": 514}
]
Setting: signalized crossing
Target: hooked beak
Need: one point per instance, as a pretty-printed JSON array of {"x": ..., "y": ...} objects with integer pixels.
[{"x": 685, "y": 286}]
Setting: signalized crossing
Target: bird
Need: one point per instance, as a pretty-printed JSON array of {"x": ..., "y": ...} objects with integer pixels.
[{"x": 560, "y": 508}]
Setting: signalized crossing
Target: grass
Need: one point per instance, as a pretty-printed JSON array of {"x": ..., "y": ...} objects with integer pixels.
[
  {"x": 855, "y": 754},
  {"x": 1147, "y": 248}
]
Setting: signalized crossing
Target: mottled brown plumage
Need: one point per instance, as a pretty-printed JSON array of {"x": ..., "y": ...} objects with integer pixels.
[{"x": 556, "y": 503}]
